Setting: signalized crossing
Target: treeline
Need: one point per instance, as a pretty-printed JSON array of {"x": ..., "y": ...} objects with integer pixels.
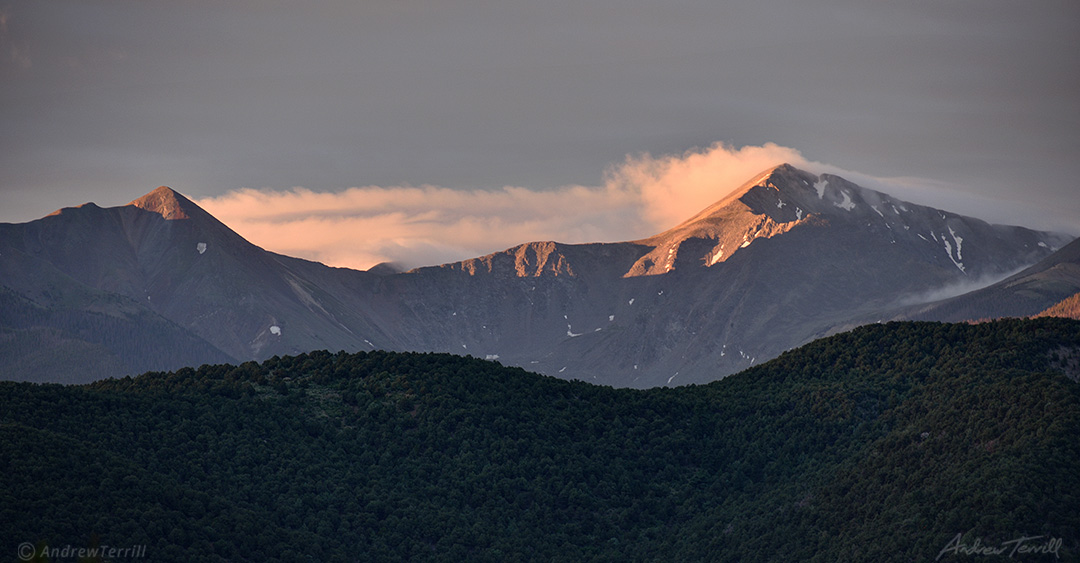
[
  {"x": 1068, "y": 308},
  {"x": 879, "y": 444}
]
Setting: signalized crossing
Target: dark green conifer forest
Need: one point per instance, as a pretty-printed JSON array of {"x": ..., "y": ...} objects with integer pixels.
[{"x": 881, "y": 444}]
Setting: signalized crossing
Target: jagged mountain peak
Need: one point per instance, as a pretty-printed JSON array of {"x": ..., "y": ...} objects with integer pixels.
[
  {"x": 785, "y": 193},
  {"x": 784, "y": 198},
  {"x": 163, "y": 200},
  {"x": 813, "y": 253},
  {"x": 531, "y": 259},
  {"x": 770, "y": 178},
  {"x": 166, "y": 208},
  {"x": 168, "y": 203},
  {"x": 763, "y": 207}
]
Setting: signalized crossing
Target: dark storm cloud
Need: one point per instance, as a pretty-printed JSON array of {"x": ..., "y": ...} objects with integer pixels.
[{"x": 103, "y": 100}]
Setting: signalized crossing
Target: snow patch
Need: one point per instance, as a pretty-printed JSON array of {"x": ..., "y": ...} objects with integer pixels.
[
  {"x": 672, "y": 377},
  {"x": 846, "y": 204},
  {"x": 563, "y": 369},
  {"x": 959, "y": 244},
  {"x": 948, "y": 252},
  {"x": 820, "y": 187},
  {"x": 878, "y": 211},
  {"x": 631, "y": 301},
  {"x": 610, "y": 318},
  {"x": 201, "y": 247},
  {"x": 780, "y": 204},
  {"x": 369, "y": 343},
  {"x": 275, "y": 330},
  {"x": 798, "y": 213},
  {"x": 491, "y": 357},
  {"x": 1043, "y": 244},
  {"x": 571, "y": 333},
  {"x": 716, "y": 257}
]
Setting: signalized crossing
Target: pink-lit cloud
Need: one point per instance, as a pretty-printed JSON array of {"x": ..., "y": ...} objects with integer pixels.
[
  {"x": 360, "y": 227},
  {"x": 414, "y": 226},
  {"x": 427, "y": 225},
  {"x": 672, "y": 188}
]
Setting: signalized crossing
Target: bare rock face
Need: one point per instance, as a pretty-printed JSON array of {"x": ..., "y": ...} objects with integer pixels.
[
  {"x": 789, "y": 257},
  {"x": 167, "y": 203}
]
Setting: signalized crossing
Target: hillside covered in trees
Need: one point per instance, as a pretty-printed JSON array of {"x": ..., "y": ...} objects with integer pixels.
[
  {"x": 1068, "y": 308},
  {"x": 890, "y": 442}
]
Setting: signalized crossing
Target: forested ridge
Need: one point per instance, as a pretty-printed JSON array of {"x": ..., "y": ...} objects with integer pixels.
[
  {"x": 881, "y": 444},
  {"x": 1068, "y": 307}
]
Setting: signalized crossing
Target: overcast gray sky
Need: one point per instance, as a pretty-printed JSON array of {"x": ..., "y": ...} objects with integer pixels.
[{"x": 104, "y": 100}]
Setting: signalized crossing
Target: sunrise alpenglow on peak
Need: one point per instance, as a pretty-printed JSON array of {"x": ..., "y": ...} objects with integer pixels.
[
  {"x": 487, "y": 106},
  {"x": 472, "y": 280}
]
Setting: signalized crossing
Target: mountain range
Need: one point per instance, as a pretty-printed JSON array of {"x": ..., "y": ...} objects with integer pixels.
[{"x": 90, "y": 292}]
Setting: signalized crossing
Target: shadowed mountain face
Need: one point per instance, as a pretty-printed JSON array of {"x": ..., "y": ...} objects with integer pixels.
[
  {"x": 1029, "y": 292},
  {"x": 787, "y": 258},
  {"x": 164, "y": 255}
]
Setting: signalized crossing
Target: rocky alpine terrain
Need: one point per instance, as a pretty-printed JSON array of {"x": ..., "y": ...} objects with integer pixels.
[{"x": 791, "y": 256}]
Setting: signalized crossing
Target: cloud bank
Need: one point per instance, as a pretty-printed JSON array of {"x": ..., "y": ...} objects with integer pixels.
[
  {"x": 427, "y": 225},
  {"x": 414, "y": 226},
  {"x": 670, "y": 189}
]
